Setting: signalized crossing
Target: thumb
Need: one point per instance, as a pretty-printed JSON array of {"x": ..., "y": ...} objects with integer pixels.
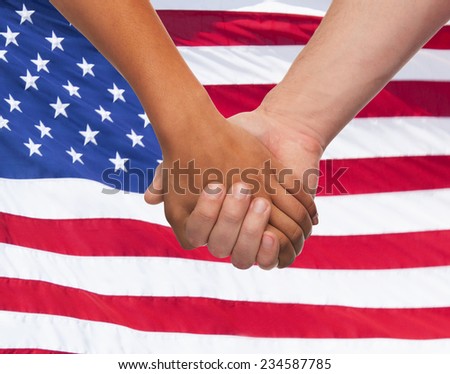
[{"x": 155, "y": 193}]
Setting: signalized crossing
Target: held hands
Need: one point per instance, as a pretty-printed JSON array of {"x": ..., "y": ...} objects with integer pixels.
[{"x": 265, "y": 217}]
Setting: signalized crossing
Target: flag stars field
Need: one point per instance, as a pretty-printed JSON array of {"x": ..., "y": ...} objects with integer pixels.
[
  {"x": 55, "y": 41},
  {"x": 10, "y": 37}
]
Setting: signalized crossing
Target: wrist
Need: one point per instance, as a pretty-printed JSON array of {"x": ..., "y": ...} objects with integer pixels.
[
  {"x": 299, "y": 120},
  {"x": 184, "y": 124}
]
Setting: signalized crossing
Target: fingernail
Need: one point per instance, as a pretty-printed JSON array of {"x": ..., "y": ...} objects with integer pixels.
[
  {"x": 240, "y": 191},
  {"x": 259, "y": 206},
  {"x": 213, "y": 190},
  {"x": 267, "y": 241},
  {"x": 315, "y": 219}
]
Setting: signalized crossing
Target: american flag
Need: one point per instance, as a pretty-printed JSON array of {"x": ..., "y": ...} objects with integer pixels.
[{"x": 86, "y": 270}]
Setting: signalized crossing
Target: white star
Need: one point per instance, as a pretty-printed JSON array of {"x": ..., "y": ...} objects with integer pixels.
[
  {"x": 136, "y": 139},
  {"x": 40, "y": 63},
  {"x": 4, "y": 123},
  {"x": 75, "y": 156},
  {"x": 145, "y": 118},
  {"x": 2, "y": 55},
  {"x": 10, "y": 36},
  {"x": 30, "y": 81},
  {"x": 45, "y": 131},
  {"x": 34, "y": 148},
  {"x": 119, "y": 163},
  {"x": 86, "y": 67},
  {"x": 56, "y": 42},
  {"x": 73, "y": 90},
  {"x": 117, "y": 93},
  {"x": 104, "y": 114},
  {"x": 25, "y": 14},
  {"x": 89, "y": 135},
  {"x": 60, "y": 108},
  {"x": 13, "y": 104}
]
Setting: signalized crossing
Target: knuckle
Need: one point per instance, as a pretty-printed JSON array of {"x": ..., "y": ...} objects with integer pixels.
[
  {"x": 287, "y": 254},
  {"x": 295, "y": 233},
  {"x": 241, "y": 263},
  {"x": 251, "y": 230},
  {"x": 204, "y": 215},
  {"x": 195, "y": 240},
  {"x": 298, "y": 246},
  {"x": 218, "y": 250},
  {"x": 184, "y": 243},
  {"x": 300, "y": 213},
  {"x": 230, "y": 217},
  {"x": 267, "y": 263},
  {"x": 311, "y": 207}
]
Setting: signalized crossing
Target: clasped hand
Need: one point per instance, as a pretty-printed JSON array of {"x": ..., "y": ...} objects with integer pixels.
[{"x": 226, "y": 189}]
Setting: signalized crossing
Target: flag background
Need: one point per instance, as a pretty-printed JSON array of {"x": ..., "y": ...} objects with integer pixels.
[{"x": 86, "y": 270}]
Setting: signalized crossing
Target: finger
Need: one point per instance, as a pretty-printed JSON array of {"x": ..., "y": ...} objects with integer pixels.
[
  {"x": 286, "y": 251},
  {"x": 154, "y": 193},
  {"x": 202, "y": 219},
  {"x": 226, "y": 230},
  {"x": 267, "y": 257},
  {"x": 295, "y": 187},
  {"x": 248, "y": 243},
  {"x": 290, "y": 229},
  {"x": 293, "y": 208}
]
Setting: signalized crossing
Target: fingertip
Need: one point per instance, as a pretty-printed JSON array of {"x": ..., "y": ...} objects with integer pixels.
[
  {"x": 154, "y": 193},
  {"x": 261, "y": 205},
  {"x": 153, "y": 198},
  {"x": 315, "y": 220},
  {"x": 267, "y": 257},
  {"x": 213, "y": 191}
]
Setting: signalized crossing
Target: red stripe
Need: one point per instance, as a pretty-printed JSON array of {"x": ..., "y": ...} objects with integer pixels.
[
  {"x": 28, "y": 351},
  {"x": 399, "y": 98},
  {"x": 200, "y": 315},
  {"x": 221, "y": 28},
  {"x": 361, "y": 176},
  {"x": 122, "y": 237}
]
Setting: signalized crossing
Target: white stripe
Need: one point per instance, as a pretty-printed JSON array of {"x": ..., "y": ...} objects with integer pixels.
[
  {"x": 383, "y": 213},
  {"x": 340, "y": 215},
  {"x": 20, "y": 330},
  {"x": 268, "y": 64},
  {"x": 392, "y": 137},
  {"x": 305, "y": 7},
  {"x": 67, "y": 198},
  {"x": 172, "y": 277}
]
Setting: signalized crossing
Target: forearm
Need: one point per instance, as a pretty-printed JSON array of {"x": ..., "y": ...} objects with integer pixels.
[
  {"x": 356, "y": 50},
  {"x": 131, "y": 36}
]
